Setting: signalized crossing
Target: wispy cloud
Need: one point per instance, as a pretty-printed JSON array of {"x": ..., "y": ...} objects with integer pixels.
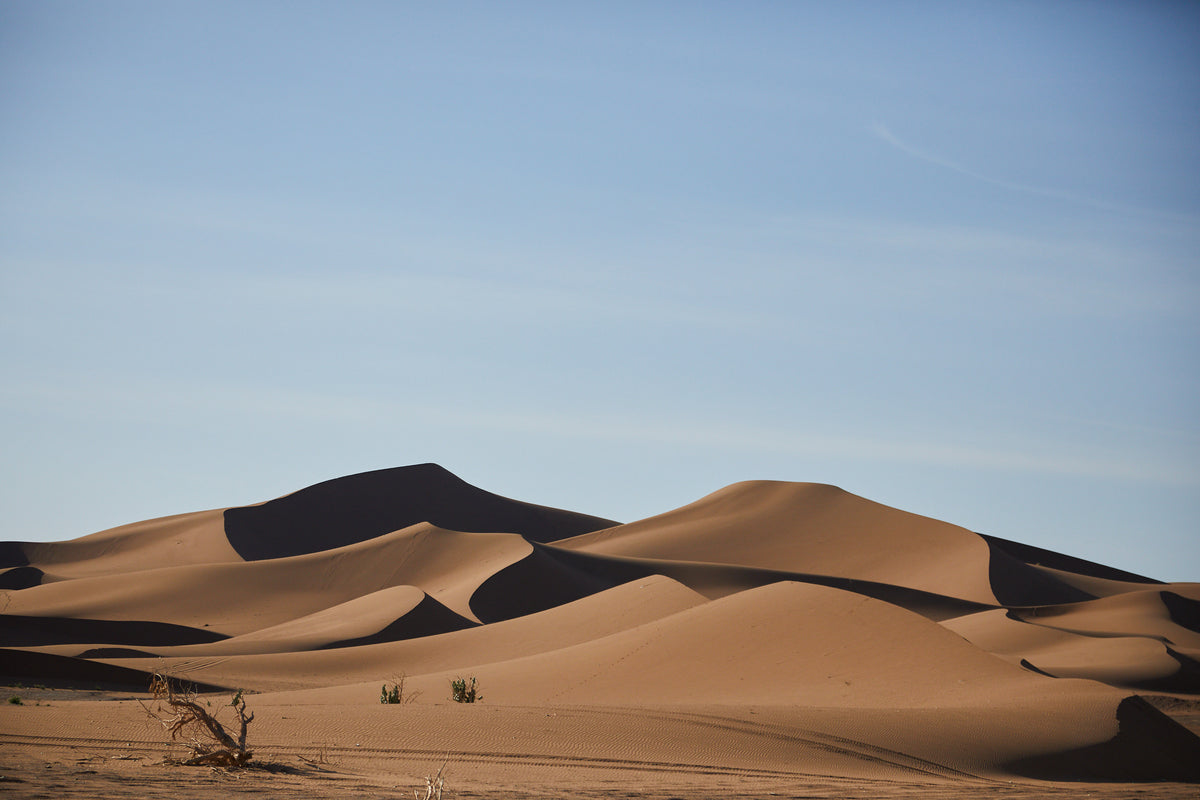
[
  {"x": 1160, "y": 469},
  {"x": 884, "y": 134},
  {"x": 994, "y": 456},
  {"x": 251, "y": 404}
]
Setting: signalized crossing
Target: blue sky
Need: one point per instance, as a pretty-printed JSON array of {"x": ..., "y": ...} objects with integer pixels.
[{"x": 607, "y": 256}]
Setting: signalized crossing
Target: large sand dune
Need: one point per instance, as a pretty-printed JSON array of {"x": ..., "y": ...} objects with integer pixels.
[{"x": 779, "y": 632}]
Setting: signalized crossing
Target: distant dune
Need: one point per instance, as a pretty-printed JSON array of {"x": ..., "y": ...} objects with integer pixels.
[{"x": 778, "y": 629}]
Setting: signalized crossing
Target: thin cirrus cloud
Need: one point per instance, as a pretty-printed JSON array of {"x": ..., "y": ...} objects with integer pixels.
[
  {"x": 884, "y": 134},
  {"x": 263, "y": 402},
  {"x": 735, "y": 438}
]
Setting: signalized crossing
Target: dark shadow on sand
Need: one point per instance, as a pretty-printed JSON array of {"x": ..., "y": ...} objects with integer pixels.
[{"x": 353, "y": 509}]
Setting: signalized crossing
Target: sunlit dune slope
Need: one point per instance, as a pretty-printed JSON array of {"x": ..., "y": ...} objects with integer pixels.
[
  {"x": 240, "y": 597},
  {"x": 595, "y": 616},
  {"x": 787, "y": 642},
  {"x": 196, "y": 538},
  {"x": 815, "y": 528}
]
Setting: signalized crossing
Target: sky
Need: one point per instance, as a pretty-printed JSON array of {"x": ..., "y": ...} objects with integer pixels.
[{"x": 608, "y": 257}]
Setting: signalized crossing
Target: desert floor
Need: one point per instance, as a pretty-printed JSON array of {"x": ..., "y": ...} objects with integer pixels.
[{"x": 98, "y": 744}]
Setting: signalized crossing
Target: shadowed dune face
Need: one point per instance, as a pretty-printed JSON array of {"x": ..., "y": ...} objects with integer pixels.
[
  {"x": 1183, "y": 611},
  {"x": 360, "y": 507},
  {"x": 21, "y": 577},
  {"x": 1067, "y": 564},
  {"x": 1145, "y": 748},
  {"x": 871, "y": 633},
  {"x": 19, "y": 631}
]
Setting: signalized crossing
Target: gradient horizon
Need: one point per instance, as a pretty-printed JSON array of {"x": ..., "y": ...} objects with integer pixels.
[{"x": 607, "y": 257}]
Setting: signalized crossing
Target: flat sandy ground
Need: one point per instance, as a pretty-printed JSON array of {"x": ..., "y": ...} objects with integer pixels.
[
  {"x": 78, "y": 772},
  {"x": 61, "y": 743}
]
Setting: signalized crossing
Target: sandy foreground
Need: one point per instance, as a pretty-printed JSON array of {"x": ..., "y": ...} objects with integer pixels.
[
  {"x": 54, "y": 745},
  {"x": 112, "y": 748},
  {"x": 770, "y": 640}
]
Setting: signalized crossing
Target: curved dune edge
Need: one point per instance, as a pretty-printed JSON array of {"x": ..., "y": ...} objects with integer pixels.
[
  {"x": 391, "y": 614},
  {"x": 343, "y": 511},
  {"x": 756, "y": 524},
  {"x": 936, "y": 679},
  {"x": 798, "y": 620},
  {"x": 179, "y": 540},
  {"x": 715, "y": 581},
  {"x": 240, "y": 597},
  {"x": 17, "y": 631},
  {"x": 1133, "y": 662},
  {"x": 1148, "y": 746},
  {"x": 21, "y": 577},
  {"x": 1154, "y": 613},
  {"x": 49, "y": 668},
  {"x": 841, "y": 650},
  {"x": 552, "y": 630}
]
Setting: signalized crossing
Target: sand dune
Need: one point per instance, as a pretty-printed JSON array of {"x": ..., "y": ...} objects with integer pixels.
[
  {"x": 1136, "y": 662},
  {"x": 817, "y": 529},
  {"x": 197, "y": 538},
  {"x": 360, "y": 507},
  {"x": 766, "y": 626},
  {"x": 596, "y": 615},
  {"x": 1160, "y": 614},
  {"x": 239, "y": 597},
  {"x": 784, "y": 643},
  {"x": 391, "y": 614}
]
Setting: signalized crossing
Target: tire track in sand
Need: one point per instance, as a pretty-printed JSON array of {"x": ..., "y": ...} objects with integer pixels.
[
  {"x": 731, "y": 740},
  {"x": 455, "y": 756}
]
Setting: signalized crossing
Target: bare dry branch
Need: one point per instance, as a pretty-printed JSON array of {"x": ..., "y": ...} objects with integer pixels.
[
  {"x": 187, "y": 721},
  {"x": 433, "y": 785}
]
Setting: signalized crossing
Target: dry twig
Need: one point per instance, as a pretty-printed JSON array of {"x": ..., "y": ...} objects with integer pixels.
[{"x": 433, "y": 785}]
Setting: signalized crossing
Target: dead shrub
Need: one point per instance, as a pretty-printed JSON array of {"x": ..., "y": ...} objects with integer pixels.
[{"x": 188, "y": 722}]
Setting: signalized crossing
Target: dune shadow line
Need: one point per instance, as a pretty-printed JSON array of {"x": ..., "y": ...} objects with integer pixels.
[
  {"x": 427, "y": 618},
  {"x": 1149, "y": 747},
  {"x": 356, "y": 508},
  {"x": 22, "y": 631}
]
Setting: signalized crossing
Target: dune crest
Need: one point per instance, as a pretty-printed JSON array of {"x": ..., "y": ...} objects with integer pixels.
[
  {"x": 864, "y": 637},
  {"x": 347, "y": 510}
]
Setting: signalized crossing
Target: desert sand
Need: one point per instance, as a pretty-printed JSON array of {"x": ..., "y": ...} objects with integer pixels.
[{"x": 770, "y": 639}]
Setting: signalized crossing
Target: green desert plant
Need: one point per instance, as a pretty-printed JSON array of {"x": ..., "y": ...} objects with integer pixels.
[
  {"x": 16, "y": 701},
  {"x": 463, "y": 692},
  {"x": 396, "y": 695}
]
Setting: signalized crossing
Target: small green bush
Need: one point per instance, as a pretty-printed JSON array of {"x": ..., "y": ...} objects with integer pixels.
[
  {"x": 14, "y": 700},
  {"x": 396, "y": 694},
  {"x": 463, "y": 692}
]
